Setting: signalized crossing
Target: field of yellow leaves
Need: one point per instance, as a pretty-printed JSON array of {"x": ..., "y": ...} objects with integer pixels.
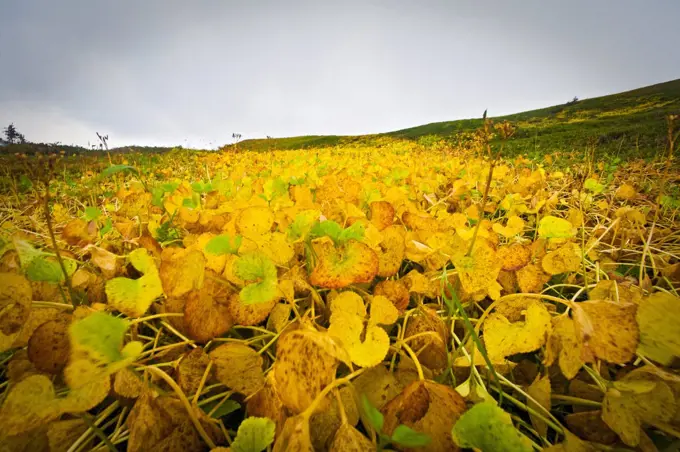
[{"x": 385, "y": 298}]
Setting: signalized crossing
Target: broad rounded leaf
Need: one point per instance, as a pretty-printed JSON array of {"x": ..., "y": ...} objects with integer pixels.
[
  {"x": 488, "y": 428},
  {"x": 254, "y": 435}
]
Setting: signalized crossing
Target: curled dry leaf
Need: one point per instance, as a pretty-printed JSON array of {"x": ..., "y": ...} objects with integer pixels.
[
  {"x": 266, "y": 402},
  {"x": 279, "y": 317},
  {"x": 238, "y": 367},
  {"x": 294, "y": 436},
  {"x": 565, "y": 345},
  {"x": 324, "y": 425},
  {"x": 15, "y": 307},
  {"x": 306, "y": 361},
  {"x": 540, "y": 391},
  {"x": 431, "y": 348},
  {"x": 106, "y": 261},
  {"x": 572, "y": 443},
  {"x": 77, "y": 233},
  {"x": 426, "y": 407}
]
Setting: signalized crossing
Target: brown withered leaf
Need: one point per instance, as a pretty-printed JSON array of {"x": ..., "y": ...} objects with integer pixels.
[
  {"x": 15, "y": 307},
  {"x": 279, "y": 317},
  {"x": 395, "y": 291},
  {"x": 323, "y": 425},
  {"x": 20, "y": 367},
  {"x": 28, "y": 405},
  {"x": 78, "y": 233},
  {"x": 306, "y": 361},
  {"x": 378, "y": 384},
  {"x": 294, "y": 436},
  {"x": 147, "y": 424},
  {"x": 382, "y": 214},
  {"x": 36, "y": 318},
  {"x": 514, "y": 256},
  {"x": 49, "y": 347},
  {"x": 349, "y": 439},
  {"x": 108, "y": 263},
  {"x": 426, "y": 407},
  {"x": 62, "y": 434},
  {"x": 614, "y": 335},
  {"x": 392, "y": 250},
  {"x": 513, "y": 309},
  {"x": 564, "y": 345},
  {"x": 248, "y": 314},
  {"x": 634, "y": 401},
  {"x": 588, "y": 425},
  {"x": 540, "y": 391},
  {"x": 572, "y": 443},
  {"x": 432, "y": 347},
  {"x": 267, "y": 403},
  {"x": 181, "y": 271},
  {"x": 609, "y": 289},
  {"x": 191, "y": 368},
  {"x": 128, "y": 385},
  {"x": 206, "y": 317},
  {"x": 531, "y": 278},
  {"x": 238, "y": 367}
]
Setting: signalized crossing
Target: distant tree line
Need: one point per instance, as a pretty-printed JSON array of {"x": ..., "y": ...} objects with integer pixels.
[{"x": 13, "y": 136}]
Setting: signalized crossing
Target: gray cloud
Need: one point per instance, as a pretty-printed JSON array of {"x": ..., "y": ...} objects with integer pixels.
[{"x": 166, "y": 71}]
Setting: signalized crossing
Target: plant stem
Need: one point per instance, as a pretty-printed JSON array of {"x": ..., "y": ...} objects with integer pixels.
[{"x": 68, "y": 296}]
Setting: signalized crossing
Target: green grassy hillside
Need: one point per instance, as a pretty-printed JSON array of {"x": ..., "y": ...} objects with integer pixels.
[{"x": 626, "y": 124}]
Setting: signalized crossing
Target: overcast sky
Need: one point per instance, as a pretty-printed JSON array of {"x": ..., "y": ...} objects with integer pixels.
[{"x": 171, "y": 72}]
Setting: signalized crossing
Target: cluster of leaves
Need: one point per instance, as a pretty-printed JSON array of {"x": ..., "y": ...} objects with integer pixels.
[{"x": 348, "y": 301}]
